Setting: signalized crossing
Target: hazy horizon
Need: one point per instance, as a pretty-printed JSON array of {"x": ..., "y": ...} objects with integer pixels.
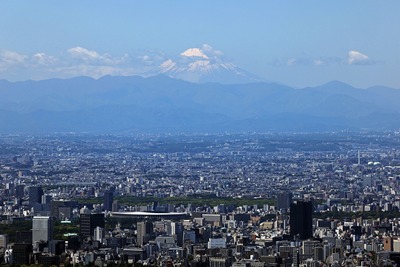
[{"x": 298, "y": 44}]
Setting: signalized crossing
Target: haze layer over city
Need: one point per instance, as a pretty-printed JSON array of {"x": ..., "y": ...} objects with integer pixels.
[{"x": 201, "y": 133}]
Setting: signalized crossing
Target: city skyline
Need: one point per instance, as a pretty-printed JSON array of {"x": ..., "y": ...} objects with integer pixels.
[{"x": 190, "y": 199}]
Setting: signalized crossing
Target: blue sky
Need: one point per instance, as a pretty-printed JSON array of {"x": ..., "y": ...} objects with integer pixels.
[{"x": 299, "y": 43}]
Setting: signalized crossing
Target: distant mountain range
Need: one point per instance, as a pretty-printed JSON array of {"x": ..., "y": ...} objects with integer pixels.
[{"x": 161, "y": 104}]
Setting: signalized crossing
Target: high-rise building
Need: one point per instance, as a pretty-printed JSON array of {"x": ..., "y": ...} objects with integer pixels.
[
  {"x": 108, "y": 200},
  {"x": 46, "y": 199},
  {"x": 143, "y": 229},
  {"x": 57, "y": 247},
  {"x": 98, "y": 234},
  {"x": 62, "y": 209},
  {"x": 283, "y": 200},
  {"x": 319, "y": 253},
  {"x": 73, "y": 242},
  {"x": 177, "y": 232},
  {"x": 301, "y": 220},
  {"x": 22, "y": 254},
  {"x": 3, "y": 241},
  {"x": 35, "y": 195},
  {"x": 42, "y": 229},
  {"x": 115, "y": 206},
  {"x": 88, "y": 222},
  {"x": 23, "y": 237},
  {"x": 19, "y": 191},
  {"x": 309, "y": 246}
]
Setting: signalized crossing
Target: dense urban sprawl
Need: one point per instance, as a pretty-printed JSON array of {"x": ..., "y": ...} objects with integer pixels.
[{"x": 329, "y": 199}]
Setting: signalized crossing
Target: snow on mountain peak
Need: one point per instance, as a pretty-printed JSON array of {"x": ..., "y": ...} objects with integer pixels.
[
  {"x": 168, "y": 65},
  {"x": 204, "y": 64},
  {"x": 201, "y": 60}
]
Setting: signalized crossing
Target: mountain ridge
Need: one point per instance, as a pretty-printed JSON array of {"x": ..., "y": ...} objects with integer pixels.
[{"x": 163, "y": 104}]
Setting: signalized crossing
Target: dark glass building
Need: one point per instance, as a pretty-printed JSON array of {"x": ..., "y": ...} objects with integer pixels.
[
  {"x": 283, "y": 200},
  {"x": 108, "y": 200},
  {"x": 35, "y": 195},
  {"x": 22, "y": 254},
  {"x": 19, "y": 191},
  {"x": 88, "y": 222},
  {"x": 301, "y": 220}
]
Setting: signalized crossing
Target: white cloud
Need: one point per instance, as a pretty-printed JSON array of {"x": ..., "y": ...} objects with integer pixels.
[
  {"x": 92, "y": 56},
  {"x": 318, "y": 62},
  {"x": 194, "y": 52},
  {"x": 83, "y": 53},
  {"x": 150, "y": 58},
  {"x": 92, "y": 71},
  {"x": 308, "y": 61},
  {"x": 11, "y": 57},
  {"x": 304, "y": 61},
  {"x": 43, "y": 59},
  {"x": 358, "y": 58},
  {"x": 78, "y": 61},
  {"x": 210, "y": 50},
  {"x": 206, "y": 51}
]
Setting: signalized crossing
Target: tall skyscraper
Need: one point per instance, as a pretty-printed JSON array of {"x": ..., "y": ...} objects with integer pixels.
[
  {"x": 301, "y": 220},
  {"x": 177, "y": 232},
  {"x": 108, "y": 200},
  {"x": 143, "y": 229},
  {"x": 35, "y": 195},
  {"x": 283, "y": 200},
  {"x": 88, "y": 222},
  {"x": 57, "y": 247},
  {"x": 98, "y": 233},
  {"x": 19, "y": 191},
  {"x": 42, "y": 229}
]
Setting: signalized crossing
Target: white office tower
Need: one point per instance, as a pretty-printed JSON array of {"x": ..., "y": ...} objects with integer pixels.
[
  {"x": 98, "y": 234},
  {"x": 41, "y": 229}
]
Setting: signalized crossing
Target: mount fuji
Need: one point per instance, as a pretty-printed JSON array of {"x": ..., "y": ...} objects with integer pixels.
[{"x": 205, "y": 64}]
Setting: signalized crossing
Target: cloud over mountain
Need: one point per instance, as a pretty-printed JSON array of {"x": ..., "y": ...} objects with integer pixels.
[
  {"x": 205, "y": 64},
  {"x": 202, "y": 64},
  {"x": 10, "y": 59},
  {"x": 43, "y": 59},
  {"x": 195, "y": 64},
  {"x": 358, "y": 58},
  {"x": 75, "y": 61},
  {"x": 353, "y": 58}
]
